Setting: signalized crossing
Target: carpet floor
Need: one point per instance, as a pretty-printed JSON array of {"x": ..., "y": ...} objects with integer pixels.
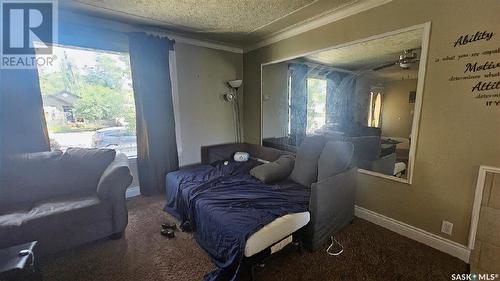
[{"x": 370, "y": 253}]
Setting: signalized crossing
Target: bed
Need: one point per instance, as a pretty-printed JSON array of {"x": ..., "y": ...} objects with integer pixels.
[
  {"x": 235, "y": 216},
  {"x": 263, "y": 238}
]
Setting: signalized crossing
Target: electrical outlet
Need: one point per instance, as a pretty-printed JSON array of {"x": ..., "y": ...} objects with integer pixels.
[{"x": 447, "y": 227}]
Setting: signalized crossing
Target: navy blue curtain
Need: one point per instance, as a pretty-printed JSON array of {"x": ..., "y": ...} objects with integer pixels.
[
  {"x": 340, "y": 92},
  {"x": 22, "y": 123},
  {"x": 156, "y": 143},
  {"x": 22, "y": 119},
  {"x": 298, "y": 102}
]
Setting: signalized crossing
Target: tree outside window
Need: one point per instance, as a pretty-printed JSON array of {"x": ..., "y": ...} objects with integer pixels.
[{"x": 88, "y": 100}]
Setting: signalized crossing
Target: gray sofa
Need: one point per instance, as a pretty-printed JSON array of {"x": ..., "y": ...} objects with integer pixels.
[
  {"x": 63, "y": 200},
  {"x": 332, "y": 181}
]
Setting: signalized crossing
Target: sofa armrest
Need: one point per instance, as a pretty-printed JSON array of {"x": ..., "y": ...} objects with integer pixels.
[
  {"x": 212, "y": 153},
  {"x": 112, "y": 187},
  {"x": 331, "y": 206}
]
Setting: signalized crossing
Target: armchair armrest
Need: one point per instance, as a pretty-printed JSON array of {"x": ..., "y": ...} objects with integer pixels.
[
  {"x": 331, "y": 206},
  {"x": 112, "y": 187}
]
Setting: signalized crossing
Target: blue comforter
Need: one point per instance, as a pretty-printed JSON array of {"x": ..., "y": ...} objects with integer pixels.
[{"x": 224, "y": 205}]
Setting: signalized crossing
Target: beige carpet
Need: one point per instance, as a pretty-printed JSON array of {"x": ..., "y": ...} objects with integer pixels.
[{"x": 371, "y": 253}]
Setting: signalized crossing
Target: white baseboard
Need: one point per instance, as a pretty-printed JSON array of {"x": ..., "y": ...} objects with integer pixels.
[
  {"x": 132, "y": 192},
  {"x": 432, "y": 240}
]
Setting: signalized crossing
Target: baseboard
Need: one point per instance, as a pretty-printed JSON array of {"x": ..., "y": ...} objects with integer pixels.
[
  {"x": 432, "y": 240},
  {"x": 132, "y": 192}
]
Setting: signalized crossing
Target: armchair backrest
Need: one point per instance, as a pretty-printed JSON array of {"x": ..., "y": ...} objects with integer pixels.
[
  {"x": 305, "y": 170},
  {"x": 317, "y": 158},
  {"x": 335, "y": 158}
]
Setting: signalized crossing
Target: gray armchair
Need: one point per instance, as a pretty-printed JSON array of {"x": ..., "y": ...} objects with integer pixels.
[
  {"x": 331, "y": 206},
  {"x": 333, "y": 183},
  {"x": 63, "y": 200}
]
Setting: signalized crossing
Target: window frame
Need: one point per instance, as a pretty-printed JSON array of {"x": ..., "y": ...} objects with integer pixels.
[{"x": 132, "y": 157}]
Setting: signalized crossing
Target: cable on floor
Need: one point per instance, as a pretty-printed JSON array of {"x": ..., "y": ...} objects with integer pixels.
[{"x": 328, "y": 251}]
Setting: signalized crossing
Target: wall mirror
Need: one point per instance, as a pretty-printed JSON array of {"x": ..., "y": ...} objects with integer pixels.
[{"x": 367, "y": 92}]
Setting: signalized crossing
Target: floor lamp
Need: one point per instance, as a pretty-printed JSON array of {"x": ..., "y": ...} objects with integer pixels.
[{"x": 233, "y": 98}]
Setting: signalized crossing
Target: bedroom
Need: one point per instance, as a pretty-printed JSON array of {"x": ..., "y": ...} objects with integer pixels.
[{"x": 149, "y": 80}]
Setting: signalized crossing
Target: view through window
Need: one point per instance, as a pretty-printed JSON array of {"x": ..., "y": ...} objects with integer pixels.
[
  {"x": 88, "y": 100},
  {"x": 375, "y": 110},
  {"x": 316, "y": 104}
]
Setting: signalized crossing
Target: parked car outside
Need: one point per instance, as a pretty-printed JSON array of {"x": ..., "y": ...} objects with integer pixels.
[{"x": 118, "y": 138}]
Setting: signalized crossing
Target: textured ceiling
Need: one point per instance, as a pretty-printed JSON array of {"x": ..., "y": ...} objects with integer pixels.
[
  {"x": 238, "y": 22},
  {"x": 373, "y": 53}
]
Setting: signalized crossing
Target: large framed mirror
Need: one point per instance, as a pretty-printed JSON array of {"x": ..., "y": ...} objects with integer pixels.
[{"x": 367, "y": 92}]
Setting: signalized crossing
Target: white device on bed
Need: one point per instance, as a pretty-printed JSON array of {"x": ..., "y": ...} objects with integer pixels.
[{"x": 241, "y": 156}]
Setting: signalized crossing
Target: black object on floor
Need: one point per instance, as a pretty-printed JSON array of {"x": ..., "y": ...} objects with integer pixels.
[
  {"x": 169, "y": 226},
  {"x": 168, "y": 232},
  {"x": 186, "y": 227}
]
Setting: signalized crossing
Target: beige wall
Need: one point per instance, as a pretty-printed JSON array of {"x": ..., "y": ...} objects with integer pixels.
[
  {"x": 397, "y": 112},
  {"x": 457, "y": 132},
  {"x": 275, "y": 100},
  {"x": 205, "y": 118}
]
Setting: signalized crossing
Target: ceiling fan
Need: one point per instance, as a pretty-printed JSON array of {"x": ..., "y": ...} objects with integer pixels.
[{"x": 406, "y": 59}]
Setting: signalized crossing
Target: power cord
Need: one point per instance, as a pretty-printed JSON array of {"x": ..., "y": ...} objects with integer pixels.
[{"x": 331, "y": 245}]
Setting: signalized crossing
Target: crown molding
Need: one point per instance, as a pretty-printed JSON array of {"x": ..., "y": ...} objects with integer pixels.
[
  {"x": 294, "y": 30},
  {"x": 335, "y": 15},
  {"x": 203, "y": 43}
]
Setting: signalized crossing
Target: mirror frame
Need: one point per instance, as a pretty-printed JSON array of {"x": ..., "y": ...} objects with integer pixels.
[{"x": 426, "y": 30}]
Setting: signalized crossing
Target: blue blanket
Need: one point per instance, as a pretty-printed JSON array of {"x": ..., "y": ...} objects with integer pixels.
[{"x": 224, "y": 206}]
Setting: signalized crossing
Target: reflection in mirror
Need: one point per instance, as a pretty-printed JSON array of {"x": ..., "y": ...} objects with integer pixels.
[{"x": 363, "y": 93}]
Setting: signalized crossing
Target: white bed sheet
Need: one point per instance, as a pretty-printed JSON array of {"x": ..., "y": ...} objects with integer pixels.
[{"x": 275, "y": 231}]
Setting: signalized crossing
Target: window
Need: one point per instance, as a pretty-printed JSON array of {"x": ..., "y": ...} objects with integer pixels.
[
  {"x": 88, "y": 100},
  {"x": 375, "y": 109},
  {"x": 316, "y": 104}
]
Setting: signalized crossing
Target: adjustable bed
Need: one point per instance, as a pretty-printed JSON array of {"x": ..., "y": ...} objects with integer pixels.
[{"x": 235, "y": 217}]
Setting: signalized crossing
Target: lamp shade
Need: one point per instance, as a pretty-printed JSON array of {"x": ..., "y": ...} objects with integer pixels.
[{"x": 235, "y": 83}]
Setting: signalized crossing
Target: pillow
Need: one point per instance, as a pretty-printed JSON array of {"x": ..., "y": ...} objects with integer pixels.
[
  {"x": 31, "y": 177},
  {"x": 305, "y": 170},
  {"x": 335, "y": 158},
  {"x": 84, "y": 167},
  {"x": 274, "y": 171}
]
